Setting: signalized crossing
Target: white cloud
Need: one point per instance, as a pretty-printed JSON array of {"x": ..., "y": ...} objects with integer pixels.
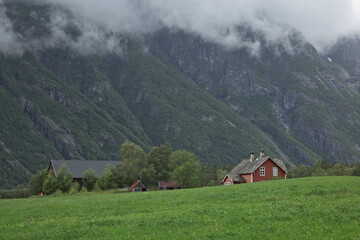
[
  {"x": 321, "y": 22},
  {"x": 8, "y": 43}
]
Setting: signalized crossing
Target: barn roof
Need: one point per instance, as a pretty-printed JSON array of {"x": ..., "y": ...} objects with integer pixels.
[{"x": 78, "y": 167}]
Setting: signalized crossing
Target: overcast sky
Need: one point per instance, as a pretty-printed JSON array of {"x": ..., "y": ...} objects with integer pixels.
[{"x": 321, "y": 22}]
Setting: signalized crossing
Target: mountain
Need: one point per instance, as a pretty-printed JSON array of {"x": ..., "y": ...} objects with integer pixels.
[{"x": 220, "y": 103}]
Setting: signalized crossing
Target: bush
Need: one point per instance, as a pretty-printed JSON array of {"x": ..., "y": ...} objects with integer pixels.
[
  {"x": 49, "y": 186},
  {"x": 89, "y": 179},
  {"x": 108, "y": 180},
  {"x": 37, "y": 181},
  {"x": 300, "y": 171},
  {"x": 57, "y": 193},
  {"x": 356, "y": 170},
  {"x": 75, "y": 187},
  {"x": 64, "y": 179}
]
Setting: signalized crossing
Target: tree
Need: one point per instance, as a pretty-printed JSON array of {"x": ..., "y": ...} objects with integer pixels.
[
  {"x": 133, "y": 161},
  {"x": 340, "y": 170},
  {"x": 64, "y": 179},
  {"x": 89, "y": 179},
  {"x": 37, "y": 181},
  {"x": 186, "y": 168},
  {"x": 325, "y": 164},
  {"x": 300, "y": 171},
  {"x": 356, "y": 170},
  {"x": 49, "y": 186},
  {"x": 148, "y": 175},
  {"x": 108, "y": 179},
  {"x": 318, "y": 169},
  {"x": 221, "y": 173},
  {"x": 159, "y": 159}
]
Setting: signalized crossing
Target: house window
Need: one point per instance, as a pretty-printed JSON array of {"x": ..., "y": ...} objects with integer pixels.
[
  {"x": 262, "y": 171},
  {"x": 227, "y": 183},
  {"x": 275, "y": 171}
]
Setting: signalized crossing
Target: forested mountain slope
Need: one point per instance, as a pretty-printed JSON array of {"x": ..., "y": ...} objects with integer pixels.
[{"x": 60, "y": 103}]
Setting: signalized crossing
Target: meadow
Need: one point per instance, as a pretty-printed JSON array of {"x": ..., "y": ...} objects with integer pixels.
[{"x": 306, "y": 208}]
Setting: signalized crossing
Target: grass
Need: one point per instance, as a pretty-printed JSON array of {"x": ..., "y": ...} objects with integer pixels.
[{"x": 308, "y": 208}]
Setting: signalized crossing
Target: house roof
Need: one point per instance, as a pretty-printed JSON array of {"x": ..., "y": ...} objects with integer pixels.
[
  {"x": 246, "y": 166},
  {"x": 173, "y": 184},
  {"x": 78, "y": 167}
]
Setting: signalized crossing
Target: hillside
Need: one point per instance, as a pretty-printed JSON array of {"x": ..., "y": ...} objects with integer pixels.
[
  {"x": 61, "y": 102},
  {"x": 308, "y": 208}
]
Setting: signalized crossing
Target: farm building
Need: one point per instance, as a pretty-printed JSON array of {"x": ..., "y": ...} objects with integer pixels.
[
  {"x": 77, "y": 168},
  {"x": 255, "y": 170},
  {"x": 162, "y": 185},
  {"x": 138, "y": 186}
]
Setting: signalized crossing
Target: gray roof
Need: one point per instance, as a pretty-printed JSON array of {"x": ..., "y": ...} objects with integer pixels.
[
  {"x": 246, "y": 166},
  {"x": 235, "y": 177},
  {"x": 78, "y": 167}
]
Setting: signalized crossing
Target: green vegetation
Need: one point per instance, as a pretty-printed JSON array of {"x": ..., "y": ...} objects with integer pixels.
[
  {"x": 64, "y": 179},
  {"x": 325, "y": 168},
  {"x": 89, "y": 179},
  {"x": 307, "y": 208}
]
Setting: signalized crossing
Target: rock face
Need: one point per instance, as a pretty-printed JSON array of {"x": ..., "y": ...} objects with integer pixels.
[{"x": 298, "y": 97}]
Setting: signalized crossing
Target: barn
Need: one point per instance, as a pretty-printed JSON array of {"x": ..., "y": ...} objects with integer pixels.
[
  {"x": 255, "y": 170},
  {"x": 77, "y": 168}
]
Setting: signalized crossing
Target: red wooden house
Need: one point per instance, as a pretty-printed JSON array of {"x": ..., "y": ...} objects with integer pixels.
[{"x": 255, "y": 170}]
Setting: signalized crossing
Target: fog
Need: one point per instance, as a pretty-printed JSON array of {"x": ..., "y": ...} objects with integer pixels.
[{"x": 102, "y": 23}]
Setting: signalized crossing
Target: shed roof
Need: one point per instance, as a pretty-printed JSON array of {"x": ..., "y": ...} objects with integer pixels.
[
  {"x": 235, "y": 178},
  {"x": 136, "y": 184},
  {"x": 78, "y": 167}
]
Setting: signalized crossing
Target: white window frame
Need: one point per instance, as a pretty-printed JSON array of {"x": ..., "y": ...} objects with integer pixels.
[
  {"x": 262, "y": 171},
  {"x": 227, "y": 183},
  {"x": 275, "y": 172}
]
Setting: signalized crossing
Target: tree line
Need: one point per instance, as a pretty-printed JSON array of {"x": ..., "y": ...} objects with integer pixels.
[
  {"x": 161, "y": 163},
  {"x": 325, "y": 168}
]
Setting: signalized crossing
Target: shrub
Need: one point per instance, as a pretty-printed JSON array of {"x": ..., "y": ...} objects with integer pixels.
[
  {"x": 75, "y": 187},
  {"x": 300, "y": 171},
  {"x": 356, "y": 170},
  {"x": 64, "y": 179},
  {"x": 57, "y": 193},
  {"x": 108, "y": 180},
  {"x": 49, "y": 186},
  {"x": 89, "y": 179}
]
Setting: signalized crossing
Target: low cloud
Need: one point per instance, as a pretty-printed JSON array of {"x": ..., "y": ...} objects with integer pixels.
[
  {"x": 8, "y": 39},
  {"x": 101, "y": 24}
]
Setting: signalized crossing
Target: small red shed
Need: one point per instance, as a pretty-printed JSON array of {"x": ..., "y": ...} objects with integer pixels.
[
  {"x": 255, "y": 170},
  {"x": 173, "y": 185},
  {"x": 138, "y": 186}
]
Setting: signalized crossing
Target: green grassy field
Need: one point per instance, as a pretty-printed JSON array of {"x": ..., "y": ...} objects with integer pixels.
[{"x": 308, "y": 208}]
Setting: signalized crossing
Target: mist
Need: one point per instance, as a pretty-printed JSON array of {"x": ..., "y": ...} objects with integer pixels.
[{"x": 102, "y": 24}]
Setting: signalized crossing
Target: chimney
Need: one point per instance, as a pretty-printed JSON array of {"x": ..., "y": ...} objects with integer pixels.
[
  {"x": 262, "y": 154},
  {"x": 252, "y": 156}
]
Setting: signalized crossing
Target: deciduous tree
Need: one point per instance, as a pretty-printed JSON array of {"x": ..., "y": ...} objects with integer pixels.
[
  {"x": 37, "y": 181},
  {"x": 64, "y": 179},
  {"x": 133, "y": 161},
  {"x": 186, "y": 168},
  {"x": 89, "y": 179}
]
